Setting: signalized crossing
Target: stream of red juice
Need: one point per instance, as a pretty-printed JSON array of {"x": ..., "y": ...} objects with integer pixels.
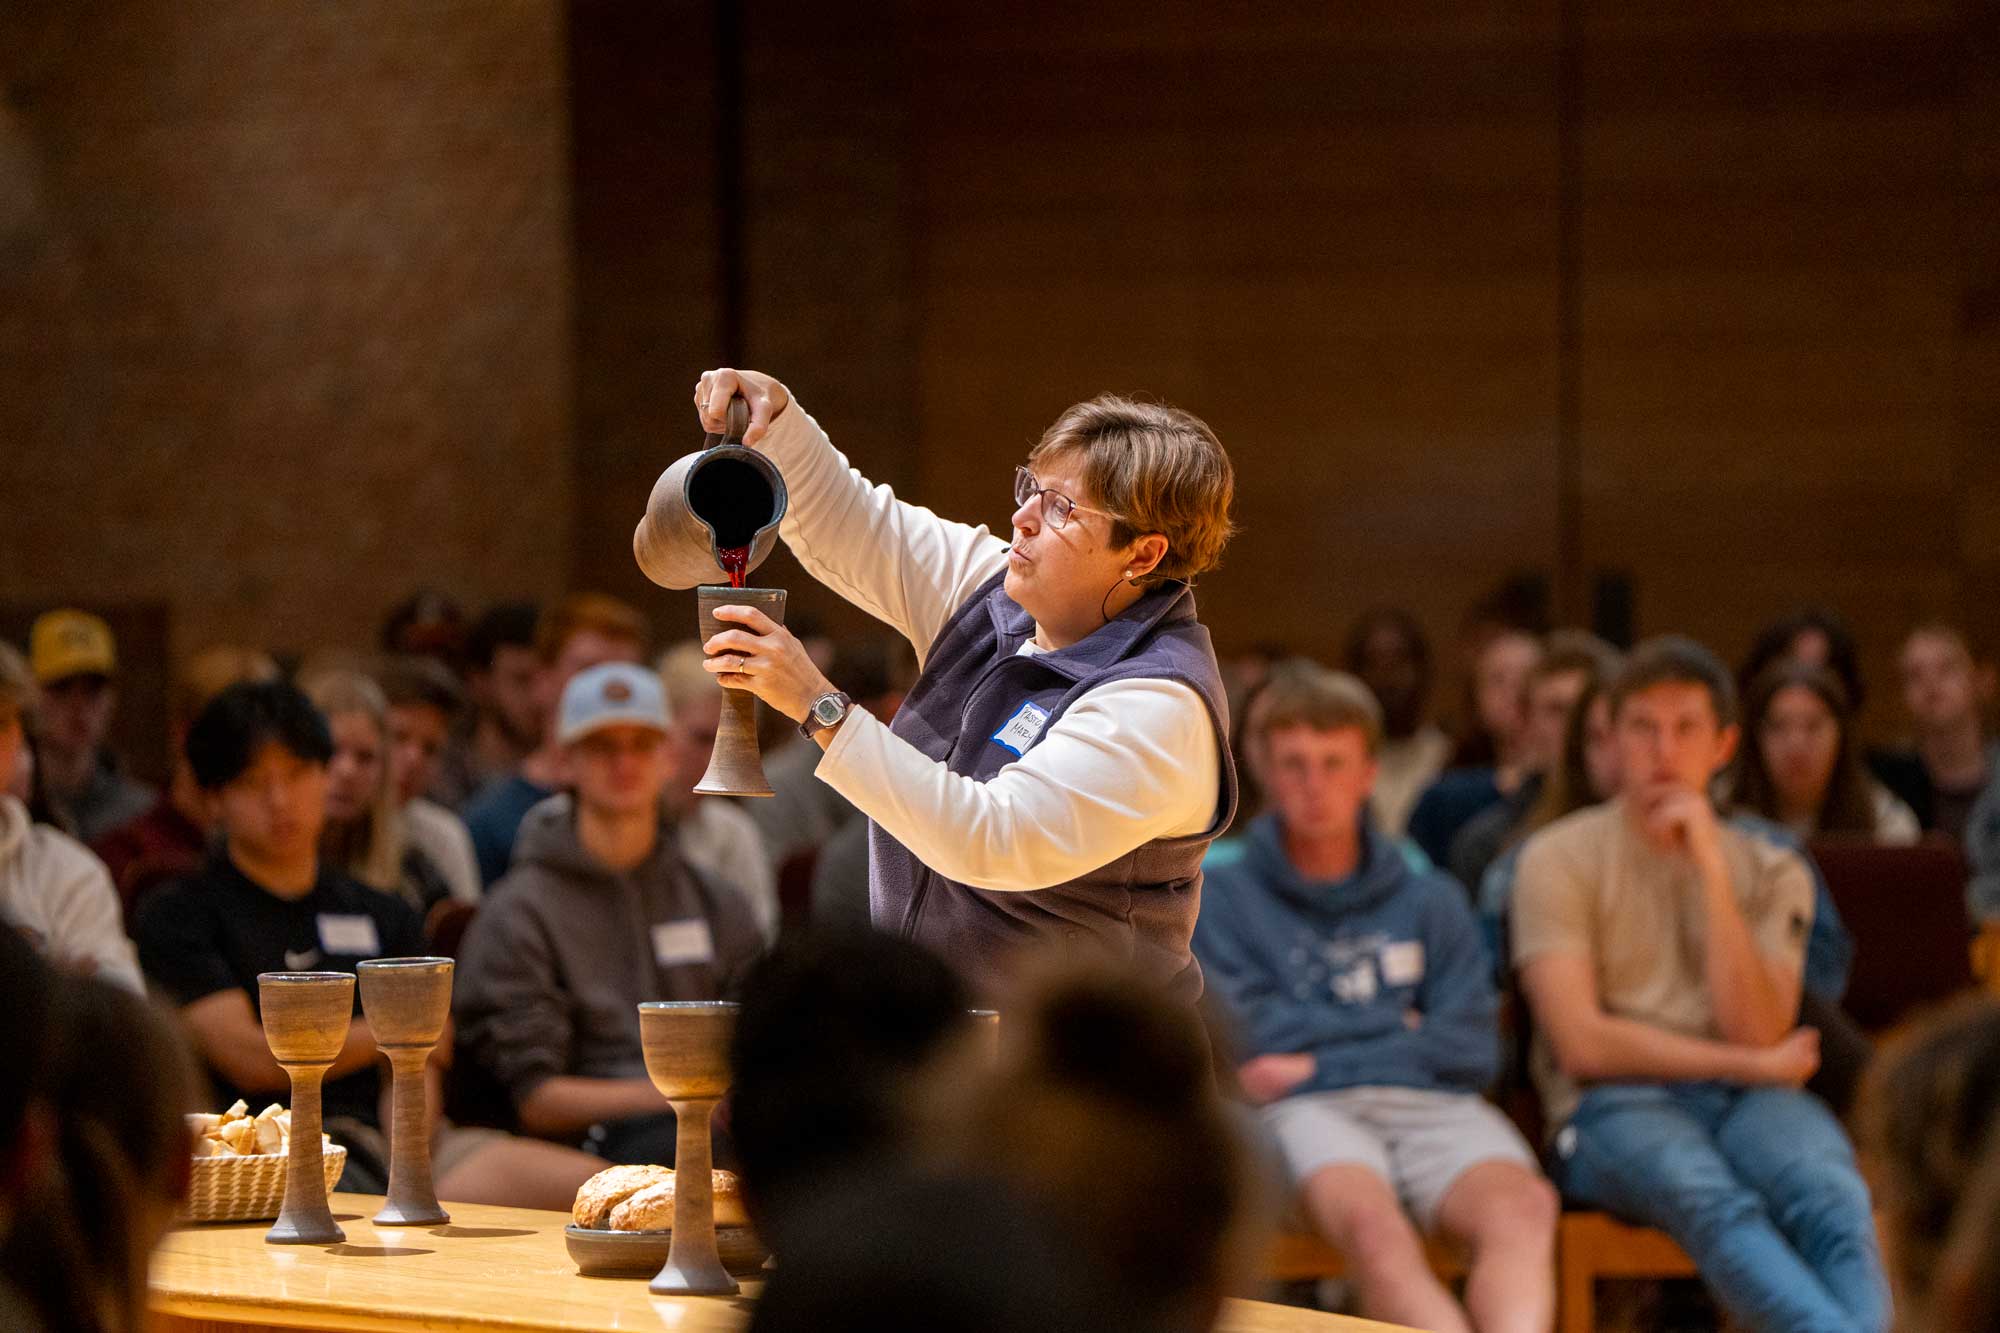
[{"x": 735, "y": 562}]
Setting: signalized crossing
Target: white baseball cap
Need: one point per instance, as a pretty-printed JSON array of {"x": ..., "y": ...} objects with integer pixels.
[{"x": 617, "y": 693}]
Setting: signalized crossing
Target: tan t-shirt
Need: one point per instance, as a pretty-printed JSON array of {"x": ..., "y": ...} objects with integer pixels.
[{"x": 1592, "y": 885}]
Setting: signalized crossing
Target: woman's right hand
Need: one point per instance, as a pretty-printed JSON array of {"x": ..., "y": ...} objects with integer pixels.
[{"x": 766, "y": 397}]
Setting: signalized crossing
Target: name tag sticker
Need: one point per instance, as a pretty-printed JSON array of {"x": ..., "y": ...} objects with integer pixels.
[
  {"x": 351, "y": 936},
  {"x": 683, "y": 943},
  {"x": 1403, "y": 963},
  {"x": 1022, "y": 729}
]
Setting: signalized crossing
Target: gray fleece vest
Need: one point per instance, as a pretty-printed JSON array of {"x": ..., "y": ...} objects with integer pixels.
[{"x": 967, "y": 711}]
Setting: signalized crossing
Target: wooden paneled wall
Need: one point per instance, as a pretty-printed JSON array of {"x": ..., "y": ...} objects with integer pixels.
[
  {"x": 1703, "y": 295},
  {"x": 1707, "y": 293}
]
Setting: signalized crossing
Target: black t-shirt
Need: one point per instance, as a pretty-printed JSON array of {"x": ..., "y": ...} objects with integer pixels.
[{"x": 218, "y": 929}]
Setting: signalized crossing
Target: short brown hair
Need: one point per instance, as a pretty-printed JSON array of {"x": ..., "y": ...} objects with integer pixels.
[
  {"x": 597, "y": 612},
  {"x": 1678, "y": 660},
  {"x": 1156, "y": 469},
  {"x": 1302, "y": 693},
  {"x": 1568, "y": 650},
  {"x": 1930, "y": 1128}
]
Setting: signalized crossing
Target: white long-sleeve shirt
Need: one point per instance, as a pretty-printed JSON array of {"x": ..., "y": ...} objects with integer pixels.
[
  {"x": 57, "y": 893},
  {"x": 1128, "y": 762}
]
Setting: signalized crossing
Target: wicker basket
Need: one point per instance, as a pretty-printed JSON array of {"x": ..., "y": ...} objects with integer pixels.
[{"x": 246, "y": 1189}]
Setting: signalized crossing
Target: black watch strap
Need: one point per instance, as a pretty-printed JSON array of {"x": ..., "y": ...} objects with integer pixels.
[{"x": 818, "y": 718}]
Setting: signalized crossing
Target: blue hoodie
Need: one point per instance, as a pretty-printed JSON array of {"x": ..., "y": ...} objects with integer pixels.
[{"x": 1338, "y": 969}]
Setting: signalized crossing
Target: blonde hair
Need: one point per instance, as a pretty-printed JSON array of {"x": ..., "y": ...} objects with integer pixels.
[
  {"x": 683, "y": 677},
  {"x": 1156, "y": 469},
  {"x": 371, "y": 849},
  {"x": 597, "y": 612},
  {"x": 213, "y": 670}
]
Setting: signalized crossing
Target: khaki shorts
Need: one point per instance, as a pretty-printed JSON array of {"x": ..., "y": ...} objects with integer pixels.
[
  {"x": 451, "y": 1146},
  {"x": 1419, "y": 1140}
]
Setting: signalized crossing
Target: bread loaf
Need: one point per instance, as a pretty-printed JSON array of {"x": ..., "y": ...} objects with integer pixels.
[
  {"x": 609, "y": 1188},
  {"x": 652, "y": 1208}
]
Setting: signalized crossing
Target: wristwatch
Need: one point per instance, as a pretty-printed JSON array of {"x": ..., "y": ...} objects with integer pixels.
[{"x": 829, "y": 710}]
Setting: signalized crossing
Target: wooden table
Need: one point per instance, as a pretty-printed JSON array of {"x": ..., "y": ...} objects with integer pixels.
[{"x": 489, "y": 1269}]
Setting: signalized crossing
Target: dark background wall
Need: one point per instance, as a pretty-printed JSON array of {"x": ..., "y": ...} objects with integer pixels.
[{"x": 302, "y": 307}]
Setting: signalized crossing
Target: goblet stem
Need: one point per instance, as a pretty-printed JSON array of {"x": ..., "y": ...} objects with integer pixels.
[
  {"x": 305, "y": 1219},
  {"x": 694, "y": 1266},
  {"x": 412, "y": 1197}
]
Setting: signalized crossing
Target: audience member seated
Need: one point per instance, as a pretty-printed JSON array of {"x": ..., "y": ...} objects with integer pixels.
[
  {"x": 1368, "y": 1007},
  {"x": 93, "y": 1151},
  {"x": 504, "y": 723},
  {"x": 803, "y": 812},
  {"x": 1931, "y": 1135},
  {"x": 1572, "y": 662},
  {"x": 1982, "y": 849},
  {"x": 266, "y": 903},
  {"x": 1812, "y": 636},
  {"x": 1662, "y": 954},
  {"x": 1388, "y": 650},
  {"x": 716, "y": 836},
  {"x": 581, "y": 631},
  {"x": 836, "y": 1028},
  {"x": 76, "y": 663},
  {"x": 1588, "y": 775},
  {"x": 170, "y": 840},
  {"x": 428, "y": 624},
  {"x": 423, "y": 698},
  {"x": 1799, "y": 767},
  {"x": 1499, "y": 688},
  {"x": 1946, "y": 690},
  {"x": 1585, "y": 773},
  {"x": 1101, "y": 1110},
  {"x": 53, "y": 892},
  {"x": 599, "y": 913},
  {"x": 363, "y": 835}
]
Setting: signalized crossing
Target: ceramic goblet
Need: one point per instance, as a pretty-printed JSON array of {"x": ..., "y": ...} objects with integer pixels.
[
  {"x": 306, "y": 1016},
  {"x": 736, "y": 762},
  {"x": 687, "y": 1056},
  {"x": 406, "y": 1002}
]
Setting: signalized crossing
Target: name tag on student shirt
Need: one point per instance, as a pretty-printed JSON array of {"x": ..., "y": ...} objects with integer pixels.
[
  {"x": 1021, "y": 729},
  {"x": 350, "y": 936},
  {"x": 1403, "y": 963},
  {"x": 683, "y": 943}
]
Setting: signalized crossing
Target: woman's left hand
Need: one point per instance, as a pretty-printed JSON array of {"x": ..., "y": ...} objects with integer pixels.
[{"x": 766, "y": 659}]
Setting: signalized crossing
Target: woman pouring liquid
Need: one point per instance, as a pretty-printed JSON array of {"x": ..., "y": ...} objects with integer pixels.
[{"x": 1055, "y": 775}]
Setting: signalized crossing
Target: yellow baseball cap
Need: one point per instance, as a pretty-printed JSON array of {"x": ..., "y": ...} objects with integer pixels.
[{"x": 71, "y": 643}]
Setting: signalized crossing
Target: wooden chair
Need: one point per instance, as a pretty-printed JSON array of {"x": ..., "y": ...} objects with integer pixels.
[
  {"x": 1297, "y": 1256},
  {"x": 1905, "y": 908},
  {"x": 446, "y": 925},
  {"x": 1593, "y": 1246},
  {"x": 1589, "y": 1247}
]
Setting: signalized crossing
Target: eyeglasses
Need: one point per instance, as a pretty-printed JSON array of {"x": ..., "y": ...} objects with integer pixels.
[{"x": 1056, "y": 507}]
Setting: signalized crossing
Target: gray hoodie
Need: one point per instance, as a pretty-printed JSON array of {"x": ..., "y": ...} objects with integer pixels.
[{"x": 564, "y": 949}]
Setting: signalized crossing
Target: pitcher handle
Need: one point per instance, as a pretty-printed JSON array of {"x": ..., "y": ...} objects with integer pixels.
[{"x": 738, "y": 422}]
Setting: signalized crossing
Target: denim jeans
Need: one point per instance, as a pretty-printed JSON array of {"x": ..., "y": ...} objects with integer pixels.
[{"x": 1758, "y": 1185}]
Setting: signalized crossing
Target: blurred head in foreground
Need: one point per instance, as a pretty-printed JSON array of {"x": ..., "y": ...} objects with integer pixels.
[
  {"x": 94, "y": 1148},
  {"x": 1929, "y": 1133},
  {"x": 835, "y": 1027},
  {"x": 1102, "y": 1112}
]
